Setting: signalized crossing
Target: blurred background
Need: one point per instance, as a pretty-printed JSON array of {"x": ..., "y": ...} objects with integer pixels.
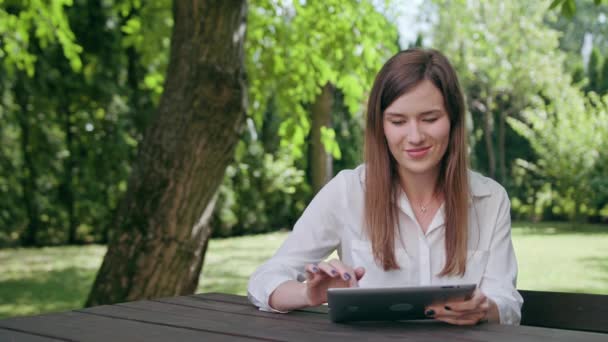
[{"x": 81, "y": 80}]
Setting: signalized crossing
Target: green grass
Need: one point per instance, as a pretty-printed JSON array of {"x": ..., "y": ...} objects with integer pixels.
[
  {"x": 559, "y": 257},
  {"x": 552, "y": 256},
  {"x": 37, "y": 280}
]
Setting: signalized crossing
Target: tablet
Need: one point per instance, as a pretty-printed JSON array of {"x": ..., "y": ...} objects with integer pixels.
[{"x": 390, "y": 303}]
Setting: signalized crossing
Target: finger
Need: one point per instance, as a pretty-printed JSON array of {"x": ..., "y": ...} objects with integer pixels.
[
  {"x": 439, "y": 312},
  {"x": 471, "y": 319},
  {"x": 359, "y": 273},
  {"x": 347, "y": 273},
  {"x": 477, "y": 302},
  {"x": 436, "y": 311},
  {"x": 328, "y": 269},
  {"x": 312, "y": 272}
]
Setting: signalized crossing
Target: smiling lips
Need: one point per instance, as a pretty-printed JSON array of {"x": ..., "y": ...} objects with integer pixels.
[{"x": 418, "y": 153}]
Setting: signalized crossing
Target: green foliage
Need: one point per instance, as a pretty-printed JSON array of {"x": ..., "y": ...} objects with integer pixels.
[
  {"x": 69, "y": 134},
  {"x": 587, "y": 25},
  {"x": 504, "y": 55},
  {"x": 569, "y": 138},
  {"x": 147, "y": 28},
  {"x": 294, "y": 48},
  {"x": 328, "y": 138},
  {"x": 568, "y": 7},
  {"x": 82, "y": 80},
  {"x": 292, "y": 51},
  {"x": 45, "y": 21},
  {"x": 511, "y": 67},
  {"x": 501, "y": 49},
  {"x": 261, "y": 191},
  {"x": 350, "y": 133}
]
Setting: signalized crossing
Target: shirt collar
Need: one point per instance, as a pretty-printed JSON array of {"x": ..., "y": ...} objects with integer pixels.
[{"x": 478, "y": 185}]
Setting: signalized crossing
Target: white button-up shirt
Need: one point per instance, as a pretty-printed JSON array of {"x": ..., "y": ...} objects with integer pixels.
[{"x": 334, "y": 220}]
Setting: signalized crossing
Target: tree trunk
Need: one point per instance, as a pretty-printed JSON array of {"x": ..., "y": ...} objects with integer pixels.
[
  {"x": 29, "y": 175},
  {"x": 320, "y": 160},
  {"x": 161, "y": 227},
  {"x": 487, "y": 134}
]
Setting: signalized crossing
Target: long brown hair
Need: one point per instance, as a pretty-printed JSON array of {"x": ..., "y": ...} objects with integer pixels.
[{"x": 399, "y": 75}]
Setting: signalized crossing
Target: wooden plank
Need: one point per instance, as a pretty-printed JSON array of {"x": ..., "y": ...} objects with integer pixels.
[
  {"x": 543, "y": 334},
  {"x": 7, "y": 335},
  {"x": 211, "y": 304},
  {"x": 522, "y": 332},
  {"x": 229, "y": 298},
  {"x": 268, "y": 326},
  {"x": 226, "y": 298},
  {"x": 576, "y": 311},
  {"x": 235, "y": 299},
  {"x": 222, "y": 321},
  {"x": 78, "y": 326},
  {"x": 491, "y": 332}
]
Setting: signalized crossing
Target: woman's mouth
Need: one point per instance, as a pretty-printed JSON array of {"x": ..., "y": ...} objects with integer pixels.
[{"x": 418, "y": 153}]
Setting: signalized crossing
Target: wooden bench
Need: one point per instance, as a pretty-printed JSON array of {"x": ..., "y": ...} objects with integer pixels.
[{"x": 573, "y": 311}]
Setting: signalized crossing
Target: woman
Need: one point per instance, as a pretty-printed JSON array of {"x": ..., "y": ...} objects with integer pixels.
[{"x": 412, "y": 215}]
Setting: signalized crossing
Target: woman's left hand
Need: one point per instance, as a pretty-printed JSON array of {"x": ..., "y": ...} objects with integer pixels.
[{"x": 469, "y": 312}]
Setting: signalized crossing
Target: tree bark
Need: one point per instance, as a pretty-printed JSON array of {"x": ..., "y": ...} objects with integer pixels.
[
  {"x": 320, "y": 160},
  {"x": 162, "y": 223}
]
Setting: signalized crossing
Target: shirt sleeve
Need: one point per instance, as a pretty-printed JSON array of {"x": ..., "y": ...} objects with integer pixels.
[
  {"x": 500, "y": 278},
  {"x": 314, "y": 237}
]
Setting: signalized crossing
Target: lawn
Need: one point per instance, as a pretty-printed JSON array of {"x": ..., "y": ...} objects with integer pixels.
[{"x": 552, "y": 256}]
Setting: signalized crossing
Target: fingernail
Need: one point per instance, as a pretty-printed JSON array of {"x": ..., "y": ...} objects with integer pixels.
[
  {"x": 346, "y": 276},
  {"x": 315, "y": 269},
  {"x": 334, "y": 272},
  {"x": 448, "y": 308},
  {"x": 430, "y": 312}
]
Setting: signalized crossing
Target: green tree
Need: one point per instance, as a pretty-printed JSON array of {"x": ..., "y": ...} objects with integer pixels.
[
  {"x": 76, "y": 128},
  {"x": 569, "y": 137},
  {"x": 297, "y": 61},
  {"x": 27, "y": 30},
  {"x": 162, "y": 225},
  {"x": 504, "y": 54},
  {"x": 297, "y": 56}
]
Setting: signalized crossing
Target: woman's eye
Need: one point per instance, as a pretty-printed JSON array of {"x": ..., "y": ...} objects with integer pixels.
[
  {"x": 429, "y": 119},
  {"x": 398, "y": 123}
]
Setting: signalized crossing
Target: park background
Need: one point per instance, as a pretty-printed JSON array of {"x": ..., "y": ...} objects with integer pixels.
[{"x": 103, "y": 115}]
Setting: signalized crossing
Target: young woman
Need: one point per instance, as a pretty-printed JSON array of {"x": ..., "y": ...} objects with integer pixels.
[{"x": 412, "y": 215}]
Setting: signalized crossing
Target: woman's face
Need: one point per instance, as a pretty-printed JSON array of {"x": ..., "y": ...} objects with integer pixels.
[{"x": 417, "y": 129}]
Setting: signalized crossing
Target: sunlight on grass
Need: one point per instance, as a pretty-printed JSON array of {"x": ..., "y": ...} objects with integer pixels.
[
  {"x": 552, "y": 257},
  {"x": 557, "y": 257},
  {"x": 36, "y": 280},
  {"x": 229, "y": 262}
]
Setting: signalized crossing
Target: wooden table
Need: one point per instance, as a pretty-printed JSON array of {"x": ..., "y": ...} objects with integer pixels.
[{"x": 222, "y": 317}]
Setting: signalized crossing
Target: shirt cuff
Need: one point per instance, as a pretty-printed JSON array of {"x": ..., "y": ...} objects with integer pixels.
[
  {"x": 508, "y": 314},
  {"x": 259, "y": 294}
]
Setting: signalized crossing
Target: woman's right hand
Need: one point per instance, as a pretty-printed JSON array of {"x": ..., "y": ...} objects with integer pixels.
[{"x": 325, "y": 275}]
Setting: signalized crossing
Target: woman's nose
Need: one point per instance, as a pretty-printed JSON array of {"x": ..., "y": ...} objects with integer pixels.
[{"x": 413, "y": 134}]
